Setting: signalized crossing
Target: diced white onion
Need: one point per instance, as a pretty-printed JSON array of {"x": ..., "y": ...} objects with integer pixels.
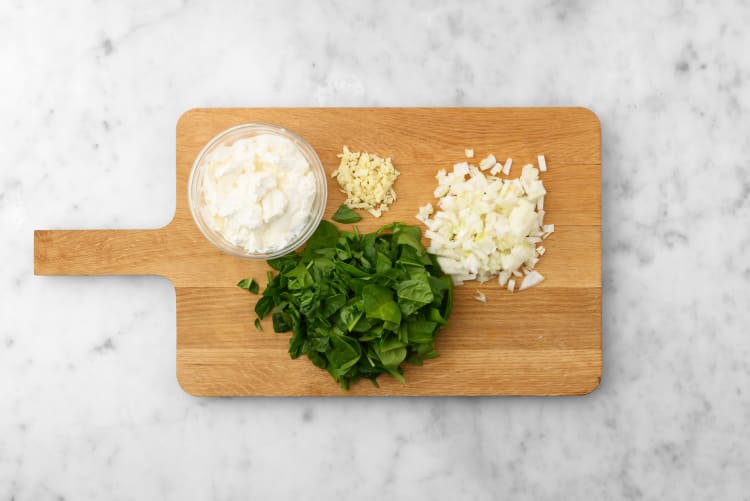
[
  {"x": 502, "y": 277},
  {"x": 480, "y": 297},
  {"x": 506, "y": 167},
  {"x": 461, "y": 169},
  {"x": 542, "y": 163},
  {"x": 424, "y": 212},
  {"x": 487, "y": 162},
  {"x": 485, "y": 226},
  {"x": 530, "y": 280}
]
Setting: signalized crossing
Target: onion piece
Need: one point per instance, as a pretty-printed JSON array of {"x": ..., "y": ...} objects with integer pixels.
[
  {"x": 424, "y": 212},
  {"x": 542, "y": 163},
  {"x": 506, "y": 167},
  {"x": 531, "y": 279},
  {"x": 502, "y": 278},
  {"x": 488, "y": 162}
]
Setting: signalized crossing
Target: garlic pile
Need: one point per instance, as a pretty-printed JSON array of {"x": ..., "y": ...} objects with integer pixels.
[{"x": 367, "y": 181}]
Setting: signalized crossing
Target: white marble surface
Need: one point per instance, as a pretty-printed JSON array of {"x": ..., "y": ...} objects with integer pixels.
[{"x": 89, "y": 95}]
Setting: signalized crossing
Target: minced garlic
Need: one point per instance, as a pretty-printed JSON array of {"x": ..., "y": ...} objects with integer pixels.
[{"x": 367, "y": 181}]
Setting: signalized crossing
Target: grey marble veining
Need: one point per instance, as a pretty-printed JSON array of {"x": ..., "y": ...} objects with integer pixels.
[{"x": 89, "y": 96}]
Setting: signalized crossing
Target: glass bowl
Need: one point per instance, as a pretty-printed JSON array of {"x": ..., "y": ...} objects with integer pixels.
[{"x": 228, "y": 138}]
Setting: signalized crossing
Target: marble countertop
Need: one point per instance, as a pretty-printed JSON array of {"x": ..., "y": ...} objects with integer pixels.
[{"x": 89, "y": 96}]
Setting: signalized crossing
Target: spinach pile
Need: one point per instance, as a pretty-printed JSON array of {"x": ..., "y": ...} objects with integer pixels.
[{"x": 358, "y": 305}]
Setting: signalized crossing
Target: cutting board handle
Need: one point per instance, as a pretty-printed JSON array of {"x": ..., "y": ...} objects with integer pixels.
[{"x": 99, "y": 252}]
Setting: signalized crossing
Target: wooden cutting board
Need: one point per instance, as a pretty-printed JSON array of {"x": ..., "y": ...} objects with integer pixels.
[{"x": 543, "y": 341}]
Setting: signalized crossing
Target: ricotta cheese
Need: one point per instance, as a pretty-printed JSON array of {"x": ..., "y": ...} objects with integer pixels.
[{"x": 258, "y": 193}]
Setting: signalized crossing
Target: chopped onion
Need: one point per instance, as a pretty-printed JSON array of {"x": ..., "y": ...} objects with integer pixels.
[
  {"x": 488, "y": 162},
  {"x": 531, "y": 279},
  {"x": 485, "y": 226},
  {"x": 461, "y": 169},
  {"x": 469, "y": 153},
  {"x": 480, "y": 297},
  {"x": 506, "y": 167},
  {"x": 424, "y": 212},
  {"x": 502, "y": 277},
  {"x": 542, "y": 163}
]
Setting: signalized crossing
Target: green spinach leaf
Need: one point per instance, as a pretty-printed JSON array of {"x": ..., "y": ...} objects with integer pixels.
[
  {"x": 345, "y": 215},
  {"x": 249, "y": 284},
  {"x": 379, "y": 303}
]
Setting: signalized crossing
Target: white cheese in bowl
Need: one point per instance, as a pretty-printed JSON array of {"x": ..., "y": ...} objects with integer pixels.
[{"x": 258, "y": 193}]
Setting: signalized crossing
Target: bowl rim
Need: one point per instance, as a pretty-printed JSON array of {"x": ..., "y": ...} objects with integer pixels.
[{"x": 216, "y": 238}]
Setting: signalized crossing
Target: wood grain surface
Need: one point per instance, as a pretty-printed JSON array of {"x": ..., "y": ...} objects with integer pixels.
[{"x": 543, "y": 341}]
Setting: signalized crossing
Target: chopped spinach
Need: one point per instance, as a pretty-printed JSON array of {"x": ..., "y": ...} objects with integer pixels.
[
  {"x": 345, "y": 215},
  {"x": 358, "y": 305},
  {"x": 249, "y": 284}
]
